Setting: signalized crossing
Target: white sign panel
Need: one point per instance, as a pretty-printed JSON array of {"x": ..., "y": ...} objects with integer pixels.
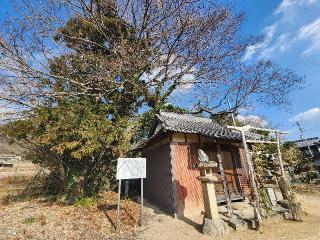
[
  {"x": 272, "y": 196},
  {"x": 130, "y": 168}
]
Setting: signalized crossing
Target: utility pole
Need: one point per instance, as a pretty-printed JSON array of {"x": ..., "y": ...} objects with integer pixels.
[{"x": 302, "y": 136}]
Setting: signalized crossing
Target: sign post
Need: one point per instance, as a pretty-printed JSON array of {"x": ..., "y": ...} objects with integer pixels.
[
  {"x": 118, "y": 206},
  {"x": 141, "y": 207},
  {"x": 130, "y": 168}
]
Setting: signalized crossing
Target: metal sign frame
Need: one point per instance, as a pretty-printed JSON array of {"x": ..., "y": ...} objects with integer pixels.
[{"x": 130, "y": 168}]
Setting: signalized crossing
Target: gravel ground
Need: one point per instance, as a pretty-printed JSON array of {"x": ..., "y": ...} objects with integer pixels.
[
  {"x": 38, "y": 219},
  {"x": 42, "y": 219},
  {"x": 164, "y": 227}
]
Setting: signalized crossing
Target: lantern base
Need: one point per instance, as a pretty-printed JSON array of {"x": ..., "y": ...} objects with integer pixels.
[{"x": 214, "y": 227}]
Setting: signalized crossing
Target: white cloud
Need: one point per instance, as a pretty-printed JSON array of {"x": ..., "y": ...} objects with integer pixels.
[
  {"x": 311, "y": 32},
  {"x": 175, "y": 71},
  {"x": 268, "y": 31},
  {"x": 287, "y": 5},
  {"x": 283, "y": 6},
  {"x": 295, "y": 23},
  {"x": 282, "y": 43},
  {"x": 310, "y": 115}
]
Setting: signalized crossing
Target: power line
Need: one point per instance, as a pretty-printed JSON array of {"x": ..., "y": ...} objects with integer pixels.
[{"x": 313, "y": 129}]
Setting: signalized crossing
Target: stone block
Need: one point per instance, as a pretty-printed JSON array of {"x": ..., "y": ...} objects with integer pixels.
[
  {"x": 284, "y": 203},
  {"x": 215, "y": 227},
  {"x": 237, "y": 224}
]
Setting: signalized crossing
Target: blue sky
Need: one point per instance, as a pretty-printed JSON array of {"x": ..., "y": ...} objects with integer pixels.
[
  {"x": 4, "y": 8},
  {"x": 292, "y": 29}
]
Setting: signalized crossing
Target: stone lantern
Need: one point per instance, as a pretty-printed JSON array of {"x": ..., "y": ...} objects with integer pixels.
[{"x": 212, "y": 223}]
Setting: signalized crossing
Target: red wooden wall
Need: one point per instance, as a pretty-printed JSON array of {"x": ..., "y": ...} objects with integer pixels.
[{"x": 188, "y": 188}]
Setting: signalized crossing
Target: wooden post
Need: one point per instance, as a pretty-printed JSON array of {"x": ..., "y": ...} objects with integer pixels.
[
  {"x": 224, "y": 181},
  {"x": 279, "y": 154},
  {"x": 141, "y": 207},
  {"x": 286, "y": 190},
  {"x": 126, "y": 188},
  {"x": 118, "y": 207},
  {"x": 253, "y": 185},
  {"x": 283, "y": 183}
]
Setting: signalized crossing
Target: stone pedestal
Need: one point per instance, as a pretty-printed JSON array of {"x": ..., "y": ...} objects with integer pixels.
[
  {"x": 214, "y": 227},
  {"x": 212, "y": 223},
  {"x": 209, "y": 196}
]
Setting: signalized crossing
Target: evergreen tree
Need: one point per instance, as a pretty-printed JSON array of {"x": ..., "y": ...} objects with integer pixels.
[{"x": 80, "y": 136}]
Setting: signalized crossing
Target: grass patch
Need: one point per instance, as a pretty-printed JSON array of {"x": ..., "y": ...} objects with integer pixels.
[
  {"x": 12, "y": 186},
  {"x": 86, "y": 202},
  {"x": 29, "y": 220},
  {"x": 311, "y": 189},
  {"x": 16, "y": 180},
  {"x": 22, "y": 188}
]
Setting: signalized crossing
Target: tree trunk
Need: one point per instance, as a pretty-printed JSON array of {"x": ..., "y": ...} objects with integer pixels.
[{"x": 77, "y": 190}]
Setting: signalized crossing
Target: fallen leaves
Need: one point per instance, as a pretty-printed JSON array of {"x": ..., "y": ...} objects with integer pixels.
[{"x": 40, "y": 219}]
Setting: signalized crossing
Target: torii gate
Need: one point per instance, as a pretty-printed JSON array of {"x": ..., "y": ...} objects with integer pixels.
[{"x": 253, "y": 185}]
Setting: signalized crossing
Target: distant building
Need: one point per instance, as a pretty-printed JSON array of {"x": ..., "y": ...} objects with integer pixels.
[
  {"x": 314, "y": 144},
  {"x": 3, "y": 164},
  {"x": 10, "y": 157},
  {"x": 7, "y": 159}
]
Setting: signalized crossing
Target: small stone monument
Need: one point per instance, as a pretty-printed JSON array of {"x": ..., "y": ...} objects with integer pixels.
[{"x": 212, "y": 223}]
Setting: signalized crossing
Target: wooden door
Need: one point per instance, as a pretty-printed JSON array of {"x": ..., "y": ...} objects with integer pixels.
[{"x": 230, "y": 172}]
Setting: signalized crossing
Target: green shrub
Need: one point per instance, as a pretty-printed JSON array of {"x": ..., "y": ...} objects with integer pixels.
[{"x": 86, "y": 202}]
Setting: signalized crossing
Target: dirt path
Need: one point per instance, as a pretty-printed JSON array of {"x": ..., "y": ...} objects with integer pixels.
[{"x": 165, "y": 227}]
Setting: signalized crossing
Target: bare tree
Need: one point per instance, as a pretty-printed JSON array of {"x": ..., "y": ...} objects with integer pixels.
[{"x": 183, "y": 47}]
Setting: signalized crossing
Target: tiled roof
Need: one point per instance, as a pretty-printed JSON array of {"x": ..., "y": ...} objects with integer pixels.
[
  {"x": 185, "y": 123},
  {"x": 308, "y": 142}
]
